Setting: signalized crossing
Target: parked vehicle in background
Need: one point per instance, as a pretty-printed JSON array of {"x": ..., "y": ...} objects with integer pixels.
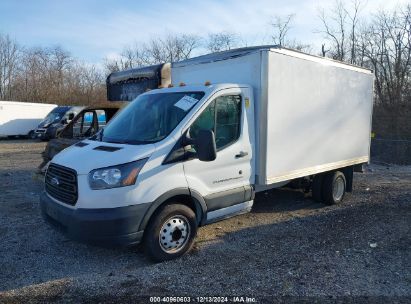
[
  {"x": 55, "y": 121},
  {"x": 85, "y": 124},
  {"x": 241, "y": 121},
  {"x": 127, "y": 85},
  {"x": 21, "y": 118}
]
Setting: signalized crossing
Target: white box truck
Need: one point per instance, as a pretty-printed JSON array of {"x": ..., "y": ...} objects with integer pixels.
[
  {"x": 178, "y": 158},
  {"x": 21, "y": 118}
]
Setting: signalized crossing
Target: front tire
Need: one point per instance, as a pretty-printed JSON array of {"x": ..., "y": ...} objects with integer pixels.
[
  {"x": 31, "y": 135},
  {"x": 171, "y": 233}
]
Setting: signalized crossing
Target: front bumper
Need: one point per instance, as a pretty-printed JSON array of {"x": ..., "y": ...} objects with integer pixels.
[
  {"x": 107, "y": 227},
  {"x": 40, "y": 133}
]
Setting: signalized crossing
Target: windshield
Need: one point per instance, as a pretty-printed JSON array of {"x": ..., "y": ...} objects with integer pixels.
[
  {"x": 52, "y": 117},
  {"x": 150, "y": 118}
]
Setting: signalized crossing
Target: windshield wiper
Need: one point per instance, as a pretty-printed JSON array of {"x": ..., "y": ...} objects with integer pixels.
[
  {"x": 125, "y": 141},
  {"x": 138, "y": 142}
]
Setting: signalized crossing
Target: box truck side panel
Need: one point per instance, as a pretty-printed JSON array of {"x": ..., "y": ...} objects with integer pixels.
[
  {"x": 318, "y": 116},
  {"x": 19, "y": 118}
]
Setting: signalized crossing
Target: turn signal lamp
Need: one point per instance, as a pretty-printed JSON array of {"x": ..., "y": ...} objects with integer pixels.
[{"x": 207, "y": 83}]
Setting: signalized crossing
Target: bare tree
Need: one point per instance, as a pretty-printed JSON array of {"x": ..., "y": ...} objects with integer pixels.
[
  {"x": 353, "y": 16},
  {"x": 52, "y": 75},
  {"x": 340, "y": 30},
  {"x": 387, "y": 50},
  {"x": 170, "y": 48},
  {"x": 334, "y": 29},
  {"x": 9, "y": 59},
  {"x": 217, "y": 42},
  {"x": 281, "y": 26}
]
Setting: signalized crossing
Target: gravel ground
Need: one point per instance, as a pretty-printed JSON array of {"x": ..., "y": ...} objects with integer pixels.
[{"x": 288, "y": 248}]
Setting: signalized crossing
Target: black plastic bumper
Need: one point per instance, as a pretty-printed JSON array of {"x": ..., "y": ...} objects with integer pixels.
[
  {"x": 41, "y": 135},
  {"x": 107, "y": 227}
]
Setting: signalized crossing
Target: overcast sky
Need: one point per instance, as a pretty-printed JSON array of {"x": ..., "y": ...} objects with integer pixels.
[{"x": 94, "y": 29}]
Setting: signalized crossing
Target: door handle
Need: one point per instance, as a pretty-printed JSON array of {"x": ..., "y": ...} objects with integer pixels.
[{"x": 241, "y": 154}]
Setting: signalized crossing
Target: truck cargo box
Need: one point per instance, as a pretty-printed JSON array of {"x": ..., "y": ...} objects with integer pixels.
[
  {"x": 21, "y": 118},
  {"x": 313, "y": 114}
]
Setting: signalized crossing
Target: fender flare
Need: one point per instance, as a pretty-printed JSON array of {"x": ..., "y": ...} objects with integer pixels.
[{"x": 198, "y": 201}]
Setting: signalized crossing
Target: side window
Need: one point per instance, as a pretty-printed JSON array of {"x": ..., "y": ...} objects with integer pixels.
[
  {"x": 77, "y": 126},
  {"x": 82, "y": 124},
  {"x": 102, "y": 119},
  {"x": 228, "y": 120},
  {"x": 206, "y": 121},
  {"x": 88, "y": 120},
  {"x": 223, "y": 116}
]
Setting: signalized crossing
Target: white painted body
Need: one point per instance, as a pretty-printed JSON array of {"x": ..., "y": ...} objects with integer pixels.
[
  {"x": 304, "y": 115},
  {"x": 19, "y": 118},
  {"x": 155, "y": 179},
  {"x": 311, "y": 114}
]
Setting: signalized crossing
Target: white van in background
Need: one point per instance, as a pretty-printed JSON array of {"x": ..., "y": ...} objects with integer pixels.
[
  {"x": 21, "y": 118},
  {"x": 236, "y": 122}
]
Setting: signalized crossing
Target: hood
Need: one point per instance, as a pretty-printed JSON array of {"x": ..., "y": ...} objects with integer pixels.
[{"x": 89, "y": 155}]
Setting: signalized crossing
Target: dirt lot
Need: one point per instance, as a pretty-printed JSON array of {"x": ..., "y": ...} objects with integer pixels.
[{"x": 287, "y": 246}]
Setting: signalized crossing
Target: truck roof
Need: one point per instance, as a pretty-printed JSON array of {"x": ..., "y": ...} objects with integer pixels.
[
  {"x": 198, "y": 88},
  {"x": 234, "y": 53},
  {"x": 24, "y": 103},
  {"x": 135, "y": 73}
]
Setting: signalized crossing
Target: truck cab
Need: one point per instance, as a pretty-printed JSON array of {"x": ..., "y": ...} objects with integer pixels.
[
  {"x": 85, "y": 124},
  {"x": 171, "y": 144},
  {"x": 55, "y": 121}
]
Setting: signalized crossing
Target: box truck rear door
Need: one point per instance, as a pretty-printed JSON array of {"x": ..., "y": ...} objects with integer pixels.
[{"x": 223, "y": 182}]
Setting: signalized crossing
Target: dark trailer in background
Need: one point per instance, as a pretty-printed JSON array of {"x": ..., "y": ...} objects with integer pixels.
[{"x": 127, "y": 85}]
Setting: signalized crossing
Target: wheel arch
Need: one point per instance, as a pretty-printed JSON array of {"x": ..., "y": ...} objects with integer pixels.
[{"x": 181, "y": 195}]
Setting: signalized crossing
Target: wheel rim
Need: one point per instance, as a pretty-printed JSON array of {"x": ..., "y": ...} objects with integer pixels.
[
  {"x": 338, "y": 188},
  {"x": 174, "y": 234}
]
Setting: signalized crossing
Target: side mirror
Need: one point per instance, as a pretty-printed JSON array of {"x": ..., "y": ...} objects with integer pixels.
[
  {"x": 70, "y": 116},
  {"x": 205, "y": 145}
]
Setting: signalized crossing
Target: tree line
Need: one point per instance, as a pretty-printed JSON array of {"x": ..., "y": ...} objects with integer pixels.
[
  {"x": 381, "y": 42},
  {"x": 48, "y": 75}
]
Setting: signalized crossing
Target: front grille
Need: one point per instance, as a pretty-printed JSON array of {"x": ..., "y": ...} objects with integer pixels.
[{"x": 61, "y": 183}]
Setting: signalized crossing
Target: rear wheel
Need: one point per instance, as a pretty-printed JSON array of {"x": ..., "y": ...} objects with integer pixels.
[
  {"x": 333, "y": 187},
  {"x": 170, "y": 233}
]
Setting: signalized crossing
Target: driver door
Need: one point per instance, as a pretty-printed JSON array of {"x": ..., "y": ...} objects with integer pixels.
[{"x": 226, "y": 181}]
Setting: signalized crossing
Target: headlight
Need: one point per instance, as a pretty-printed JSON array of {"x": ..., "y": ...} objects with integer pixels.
[{"x": 116, "y": 176}]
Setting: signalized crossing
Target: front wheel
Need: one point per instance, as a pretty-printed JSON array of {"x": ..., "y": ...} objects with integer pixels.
[
  {"x": 31, "y": 135},
  {"x": 171, "y": 233}
]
